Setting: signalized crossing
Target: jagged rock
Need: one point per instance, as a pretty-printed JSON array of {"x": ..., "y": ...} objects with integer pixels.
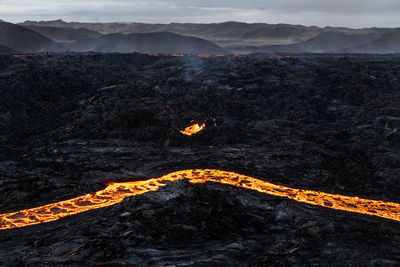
[{"x": 71, "y": 123}]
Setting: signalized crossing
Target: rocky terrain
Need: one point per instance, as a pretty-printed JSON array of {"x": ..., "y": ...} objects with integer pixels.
[{"x": 69, "y": 123}]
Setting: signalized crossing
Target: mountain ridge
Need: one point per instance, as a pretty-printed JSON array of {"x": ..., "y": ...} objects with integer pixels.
[
  {"x": 387, "y": 43},
  {"x": 326, "y": 42},
  {"x": 4, "y": 50},
  {"x": 161, "y": 42},
  {"x": 214, "y": 38},
  {"x": 28, "y": 38},
  {"x": 226, "y": 34},
  {"x": 25, "y": 40},
  {"x": 63, "y": 35}
]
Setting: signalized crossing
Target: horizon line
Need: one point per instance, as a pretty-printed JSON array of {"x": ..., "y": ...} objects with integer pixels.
[{"x": 204, "y": 23}]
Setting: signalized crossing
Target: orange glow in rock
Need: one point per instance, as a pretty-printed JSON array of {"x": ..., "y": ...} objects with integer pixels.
[
  {"x": 193, "y": 129},
  {"x": 114, "y": 193}
]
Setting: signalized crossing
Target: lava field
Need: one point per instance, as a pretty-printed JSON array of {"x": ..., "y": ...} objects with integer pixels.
[{"x": 74, "y": 124}]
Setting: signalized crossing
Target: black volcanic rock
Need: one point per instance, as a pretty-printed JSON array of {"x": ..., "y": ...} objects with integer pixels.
[
  {"x": 69, "y": 123},
  {"x": 162, "y": 42},
  {"x": 25, "y": 40}
]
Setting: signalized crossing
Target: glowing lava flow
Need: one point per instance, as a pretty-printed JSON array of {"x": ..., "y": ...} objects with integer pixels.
[
  {"x": 193, "y": 129},
  {"x": 115, "y": 192}
]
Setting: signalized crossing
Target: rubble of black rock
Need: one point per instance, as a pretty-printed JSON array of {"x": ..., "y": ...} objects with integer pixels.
[{"x": 71, "y": 122}]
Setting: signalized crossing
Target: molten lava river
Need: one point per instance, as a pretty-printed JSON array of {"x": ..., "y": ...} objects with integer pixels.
[{"x": 115, "y": 192}]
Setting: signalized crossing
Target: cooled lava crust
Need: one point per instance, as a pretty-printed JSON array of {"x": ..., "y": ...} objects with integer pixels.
[{"x": 71, "y": 124}]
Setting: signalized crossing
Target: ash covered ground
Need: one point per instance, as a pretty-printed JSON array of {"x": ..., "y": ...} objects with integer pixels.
[{"x": 71, "y": 123}]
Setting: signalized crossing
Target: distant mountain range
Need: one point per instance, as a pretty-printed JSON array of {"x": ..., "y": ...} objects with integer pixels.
[
  {"x": 164, "y": 42},
  {"x": 80, "y": 40},
  {"x": 32, "y": 38},
  {"x": 227, "y": 37},
  {"x": 337, "y": 42},
  {"x": 4, "y": 50},
  {"x": 64, "y": 35},
  {"x": 223, "y": 34},
  {"x": 387, "y": 43},
  {"x": 19, "y": 38}
]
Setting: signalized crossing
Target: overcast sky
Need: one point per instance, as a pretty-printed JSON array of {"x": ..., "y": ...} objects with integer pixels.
[{"x": 351, "y": 13}]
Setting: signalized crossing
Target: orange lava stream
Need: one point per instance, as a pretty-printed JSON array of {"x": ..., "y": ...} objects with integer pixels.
[
  {"x": 115, "y": 192},
  {"x": 22, "y": 55},
  {"x": 193, "y": 129},
  {"x": 31, "y": 55}
]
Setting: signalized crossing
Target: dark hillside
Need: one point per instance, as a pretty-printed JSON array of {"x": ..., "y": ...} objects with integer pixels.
[
  {"x": 6, "y": 50},
  {"x": 162, "y": 42},
  {"x": 25, "y": 40}
]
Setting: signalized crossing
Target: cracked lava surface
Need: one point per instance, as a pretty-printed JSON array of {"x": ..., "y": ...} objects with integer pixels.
[{"x": 114, "y": 193}]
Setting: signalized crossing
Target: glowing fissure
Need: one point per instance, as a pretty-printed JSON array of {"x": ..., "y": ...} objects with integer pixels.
[
  {"x": 193, "y": 129},
  {"x": 32, "y": 54},
  {"x": 115, "y": 192}
]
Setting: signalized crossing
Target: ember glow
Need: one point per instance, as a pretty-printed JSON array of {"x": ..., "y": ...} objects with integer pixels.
[
  {"x": 193, "y": 129},
  {"x": 22, "y": 55},
  {"x": 31, "y": 55},
  {"x": 114, "y": 193}
]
